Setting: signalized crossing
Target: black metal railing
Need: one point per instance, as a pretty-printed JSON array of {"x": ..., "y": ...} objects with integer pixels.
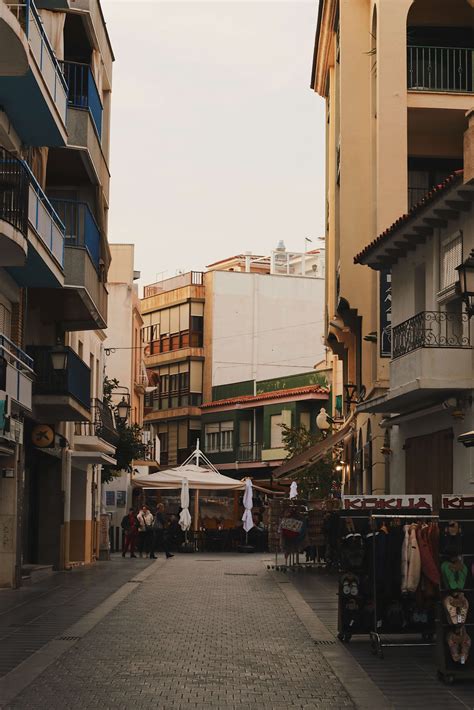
[
  {"x": 82, "y": 91},
  {"x": 447, "y": 69},
  {"x": 431, "y": 329},
  {"x": 80, "y": 226},
  {"x": 249, "y": 452},
  {"x": 75, "y": 381},
  {"x": 102, "y": 424},
  {"x": 14, "y": 183}
]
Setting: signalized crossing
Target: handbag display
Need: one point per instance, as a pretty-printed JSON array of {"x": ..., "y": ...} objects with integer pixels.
[{"x": 291, "y": 527}]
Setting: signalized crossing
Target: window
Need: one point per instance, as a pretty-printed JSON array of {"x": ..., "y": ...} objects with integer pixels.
[
  {"x": 5, "y": 320},
  {"x": 276, "y": 435},
  {"x": 450, "y": 257},
  {"x": 305, "y": 420},
  {"x": 219, "y": 437}
]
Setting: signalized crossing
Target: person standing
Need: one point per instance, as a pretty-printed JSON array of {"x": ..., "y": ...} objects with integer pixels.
[
  {"x": 129, "y": 526},
  {"x": 145, "y": 531},
  {"x": 160, "y": 534}
]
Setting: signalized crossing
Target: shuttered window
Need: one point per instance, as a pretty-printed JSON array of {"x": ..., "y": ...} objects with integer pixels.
[{"x": 450, "y": 257}]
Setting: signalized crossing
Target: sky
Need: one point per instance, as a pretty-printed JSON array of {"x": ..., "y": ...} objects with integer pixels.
[{"x": 217, "y": 141}]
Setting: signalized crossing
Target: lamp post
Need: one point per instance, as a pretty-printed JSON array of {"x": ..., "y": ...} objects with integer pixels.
[
  {"x": 123, "y": 409},
  {"x": 466, "y": 283}
]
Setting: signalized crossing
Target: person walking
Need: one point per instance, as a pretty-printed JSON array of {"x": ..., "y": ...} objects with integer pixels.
[
  {"x": 129, "y": 526},
  {"x": 145, "y": 531},
  {"x": 160, "y": 533}
]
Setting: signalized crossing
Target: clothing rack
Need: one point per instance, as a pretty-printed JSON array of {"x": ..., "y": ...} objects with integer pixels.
[
  {"x": 377, "y": 640},
  {"x": 447, "y": 669}
]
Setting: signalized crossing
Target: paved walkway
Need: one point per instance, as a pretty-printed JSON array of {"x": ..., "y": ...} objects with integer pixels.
[
  {"x": 406, "y": 676},
  {"x": 197, "y": 631}
]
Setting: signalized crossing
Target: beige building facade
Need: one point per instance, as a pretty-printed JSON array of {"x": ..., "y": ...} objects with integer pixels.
[{"x": 396, "y": 76}]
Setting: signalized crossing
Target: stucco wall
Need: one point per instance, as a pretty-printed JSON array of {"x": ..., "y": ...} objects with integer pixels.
[{"x": 265, "y": 326}]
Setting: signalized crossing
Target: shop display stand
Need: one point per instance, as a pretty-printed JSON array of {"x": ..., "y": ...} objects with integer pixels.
[
  {"x": 377, "y": 638},
  {"x": 448, "y": 670}
]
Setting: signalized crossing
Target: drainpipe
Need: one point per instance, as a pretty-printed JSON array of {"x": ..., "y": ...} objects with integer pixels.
[{"x": 66, "y": 494}]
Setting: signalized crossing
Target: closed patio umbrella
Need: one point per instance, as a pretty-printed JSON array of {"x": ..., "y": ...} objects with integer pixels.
[
  {"x": 184, "y": 516},
  {"x": 248, "y": 505},
  {"x": 293, "y": 490}
]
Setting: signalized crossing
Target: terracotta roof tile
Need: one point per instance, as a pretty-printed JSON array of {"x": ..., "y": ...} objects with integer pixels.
[
  {"x": 424, "y": 202},
  {"x": 276, "y": 394}
]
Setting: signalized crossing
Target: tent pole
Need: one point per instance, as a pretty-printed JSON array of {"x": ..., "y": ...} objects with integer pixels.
[{"x": 196, "y": 510}]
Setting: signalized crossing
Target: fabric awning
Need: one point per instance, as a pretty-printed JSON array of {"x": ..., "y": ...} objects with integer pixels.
[
  {"x": 316, "y": 452},
  {"x": 198, "y": 477}
]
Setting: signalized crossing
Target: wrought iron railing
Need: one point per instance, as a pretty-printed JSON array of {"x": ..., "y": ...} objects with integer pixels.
[
  {"x": 431, "y": 329},
  {"x": 102, "y": 424},
  {"x": 13, "y": 191},
  {"x": 80, "y": 226},
  {"x": 448, "y": 69},
  {"x": 249, "y": 452},
  {"x": 83, "y": 92},
  {"x": 74, "y": 381}
]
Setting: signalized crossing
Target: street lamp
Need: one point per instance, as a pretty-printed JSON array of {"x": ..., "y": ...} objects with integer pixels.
[
  {"x": 123, "y": 408},
  {"x": 59, "y": 357},
  {"x": 466, "y": 283}
]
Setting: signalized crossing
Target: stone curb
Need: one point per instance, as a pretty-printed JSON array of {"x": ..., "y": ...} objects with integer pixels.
[
  {"x": 359, "y": 686},
  {"x": 13, "y": 683}
]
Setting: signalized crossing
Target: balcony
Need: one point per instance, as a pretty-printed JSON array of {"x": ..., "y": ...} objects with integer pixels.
[
  {"x": 13, "y": 210},
  {"x": 87, "y": 295},
  {"x": 32, "y": 86},
  {"x": 192, "y": 278},
  {"x": 85, "y": 139},
  {"x": 431, "y": 356},
  {"x": 249, "y": 453},
  {"x": 95, "y": 441},
  {"x": 83, "y": 92},
  {"x": 440, "y": 69},
  {"x": 16, "y": 373},
  {"x": 60, "y": 395}
]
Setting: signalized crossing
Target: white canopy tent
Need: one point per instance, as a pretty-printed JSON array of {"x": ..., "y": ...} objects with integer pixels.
[{"x": 204, "y": 477}]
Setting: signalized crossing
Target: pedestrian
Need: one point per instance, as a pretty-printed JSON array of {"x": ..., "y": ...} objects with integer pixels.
[
  {"x": 130, "y": 527},
  {"x": 160, "y": 533},
  {"x": 145, "y": 531}
]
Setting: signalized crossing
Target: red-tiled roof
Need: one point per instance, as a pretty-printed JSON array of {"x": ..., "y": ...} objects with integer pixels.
[
  {"x": 276, "y": 394},
  {"x": 424, "y": 202}
]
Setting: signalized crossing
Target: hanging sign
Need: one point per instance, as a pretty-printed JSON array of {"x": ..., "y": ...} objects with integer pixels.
[
  {"x": 42, "y": 436},
  {"x": 388, "y": 502},
  {"x": 385, "y": 313},
  {"x": 457, "y": 501}
]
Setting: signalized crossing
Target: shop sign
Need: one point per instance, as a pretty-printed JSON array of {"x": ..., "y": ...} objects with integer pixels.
[
  {"x": 385, "y": 313},
  {"x": 42, "y": 436},
  {"x": 457, "y": 501},
  {"x": 388, "y": 502}
]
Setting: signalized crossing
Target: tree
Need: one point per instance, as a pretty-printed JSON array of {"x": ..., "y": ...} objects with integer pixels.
[
  {"x": 129, "y": 445},
  {"x": 316, "y": 480}
]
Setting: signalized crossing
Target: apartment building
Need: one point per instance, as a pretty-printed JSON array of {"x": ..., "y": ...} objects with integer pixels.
[
  {"x": 396, "y": 76},
  {"x": 124, "y": 362},
  {"x": 55, "y": 84},
  {"x": 248, "y": 318}
]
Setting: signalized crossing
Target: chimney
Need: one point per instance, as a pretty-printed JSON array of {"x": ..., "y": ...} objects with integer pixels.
[{"x": 469, "y": 148}]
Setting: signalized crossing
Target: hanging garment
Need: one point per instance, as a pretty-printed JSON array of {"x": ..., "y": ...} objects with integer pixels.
[
  {"x": 352, "y": 552},
  {"x": 411, "y": 561},
  {"x": 393, "y": 580},
  {"x": 428, "y": 562},
  {"x": 454, "y": 574},
  {"x": 456, "y": 607},
  {"x": 459, "y": 645}
]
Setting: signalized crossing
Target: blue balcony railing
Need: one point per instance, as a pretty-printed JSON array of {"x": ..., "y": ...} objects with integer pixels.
[
  {"x": 75, "y": 381},
  {"x": 31, "y": 22},
  {"x": 44, "y": 219},
  {"x": 83, "y": 92},
  {"x": 16, "y": 372},
  {"x": 81, "y": 228},
  {"x": 443, "y": 69}
]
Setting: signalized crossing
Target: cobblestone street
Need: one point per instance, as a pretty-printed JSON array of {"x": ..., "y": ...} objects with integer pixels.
[{"x": 199, "y": 631}]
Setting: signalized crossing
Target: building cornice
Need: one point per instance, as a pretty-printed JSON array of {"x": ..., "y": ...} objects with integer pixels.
[{"x": 322, "y": 45}]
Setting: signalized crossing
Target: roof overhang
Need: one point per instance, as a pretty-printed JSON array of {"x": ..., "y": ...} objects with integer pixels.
[
  {"x": 82, "y": 459},
  {"x": 443, "y": 205}
]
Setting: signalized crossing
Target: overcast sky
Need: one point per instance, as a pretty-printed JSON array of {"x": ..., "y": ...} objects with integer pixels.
[{"x": 217, "y": 139}]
